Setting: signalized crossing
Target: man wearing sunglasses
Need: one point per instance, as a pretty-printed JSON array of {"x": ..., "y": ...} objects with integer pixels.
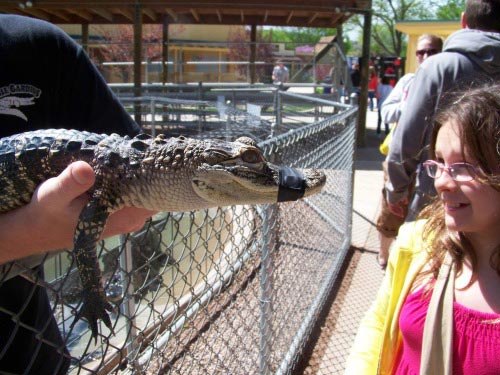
[
  {"x": 469, "y": 56},
  {"x": 427, "y": 45},
  {"x": 387, "y": 222}
]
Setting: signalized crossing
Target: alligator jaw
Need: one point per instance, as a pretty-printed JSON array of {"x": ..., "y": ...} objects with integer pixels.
[{"x": 220, "y": 186}]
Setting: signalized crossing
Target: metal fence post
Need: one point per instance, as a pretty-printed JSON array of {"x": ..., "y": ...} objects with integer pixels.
[
  {"x": 153, "y": 115},
  {"x": 267, "y": 267},
  {"x": 128, "y": 308},
  {"x": 354, "y": 99},
  {"x": 278, "y": 107}
]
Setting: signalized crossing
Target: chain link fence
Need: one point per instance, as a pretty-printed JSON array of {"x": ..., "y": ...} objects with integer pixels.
[{"x": 233, "y": 290}]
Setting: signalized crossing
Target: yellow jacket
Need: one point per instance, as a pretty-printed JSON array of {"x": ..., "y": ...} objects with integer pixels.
[{"x": 378, "y": 339}]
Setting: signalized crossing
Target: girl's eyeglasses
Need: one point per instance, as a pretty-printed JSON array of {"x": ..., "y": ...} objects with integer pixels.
[{"x": 460, "y": 172}]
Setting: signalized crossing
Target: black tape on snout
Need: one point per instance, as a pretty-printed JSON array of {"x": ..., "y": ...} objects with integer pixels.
[{"x": 292, "y": 185}]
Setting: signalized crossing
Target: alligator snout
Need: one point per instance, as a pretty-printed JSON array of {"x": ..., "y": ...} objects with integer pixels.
[{"x": 295, "y": 184}]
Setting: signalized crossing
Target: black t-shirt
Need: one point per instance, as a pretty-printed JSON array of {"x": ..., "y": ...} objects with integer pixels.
[{"x": 46, "y": 81}]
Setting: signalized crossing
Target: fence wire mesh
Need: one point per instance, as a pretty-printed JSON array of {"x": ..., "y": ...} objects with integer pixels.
[{"x": 232, "y": 290}]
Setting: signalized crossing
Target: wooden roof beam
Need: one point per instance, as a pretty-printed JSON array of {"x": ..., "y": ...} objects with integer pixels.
[
  {"x": 58, "y": 14},
  {"x": 335, "y": 19},
  {"x": 150, "y": 13},
  {"x": 312, "y": 18},
  {"x": 172, "y": 14},
  {"x": 80, "y": 13},
  {"x": 106, "y": 14},
  {"x": 126, "y": 12},
  {"x": 266, "y": 14},
  {"x": 37, "y": 13},
  {"x": 13, "y": 10},
  {"x": 289, "y": 18},
  {"x": 195, "y": 14},
  {"x": 219, "y": 15},
  {"x": 242, "y": 15}
]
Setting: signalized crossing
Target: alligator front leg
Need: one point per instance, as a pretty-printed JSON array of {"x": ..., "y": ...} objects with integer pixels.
[{"x": 88, "y": 232}]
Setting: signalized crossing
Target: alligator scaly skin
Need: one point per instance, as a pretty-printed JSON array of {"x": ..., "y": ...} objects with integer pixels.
[
  {"x": 28, "y": 159},
  {"x": 163, "y": 174}
]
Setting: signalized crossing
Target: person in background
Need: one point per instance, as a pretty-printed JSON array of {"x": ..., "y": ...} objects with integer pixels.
[
  {"x": 387, "y": 223},
  {"x": 471, "y": 54},
  {"x": 355, "y": 78},
  {"x": 372, "y": 87},
  {"x": 427, "y": 45},
  {"x": 383, "y": 91},
  {"x": 48, "y": 81},
  {"x": 391, "y": 75},
  {"x": 280, "y": 74},
  {"x": 438, "y": 308}
]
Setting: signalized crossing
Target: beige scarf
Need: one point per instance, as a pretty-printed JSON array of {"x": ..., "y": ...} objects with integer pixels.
[{"x": 438, "y": 329}]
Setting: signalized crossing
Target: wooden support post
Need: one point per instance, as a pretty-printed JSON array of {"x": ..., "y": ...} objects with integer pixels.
[
  {"x": 253, "y": 53},
  {"x": 85, "y": 37},
  {"x": 137, "y": 59},
  {"x": 164, "y": 50},
  {"x": 363, "y": 96}
]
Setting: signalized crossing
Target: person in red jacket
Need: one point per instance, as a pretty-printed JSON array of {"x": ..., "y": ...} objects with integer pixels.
[
  {"x": 372, "y": 86},
  {"x": 391, "y": 73}
]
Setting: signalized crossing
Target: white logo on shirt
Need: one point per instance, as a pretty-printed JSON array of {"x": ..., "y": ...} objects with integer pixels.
[{"x": 15, "y": 96}]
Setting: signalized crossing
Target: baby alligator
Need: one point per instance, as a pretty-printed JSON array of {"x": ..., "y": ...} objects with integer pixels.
[{"x": 162, "y": 174}]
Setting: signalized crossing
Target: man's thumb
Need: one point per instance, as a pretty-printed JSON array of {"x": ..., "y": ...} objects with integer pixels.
[{"x": 75, "y": 180}]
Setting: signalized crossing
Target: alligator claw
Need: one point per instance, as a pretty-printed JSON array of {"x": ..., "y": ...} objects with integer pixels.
[{"x": 92, "y": 310}]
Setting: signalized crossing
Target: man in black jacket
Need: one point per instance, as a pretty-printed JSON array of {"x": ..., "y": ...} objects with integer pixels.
[{"x": 48, "y": 81}]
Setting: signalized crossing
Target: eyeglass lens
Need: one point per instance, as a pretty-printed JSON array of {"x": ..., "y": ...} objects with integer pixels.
[{"x": 457, "y": 171}]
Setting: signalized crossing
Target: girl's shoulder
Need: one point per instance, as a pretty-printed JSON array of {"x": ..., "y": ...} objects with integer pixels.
[{"x": 410, "y": 235}]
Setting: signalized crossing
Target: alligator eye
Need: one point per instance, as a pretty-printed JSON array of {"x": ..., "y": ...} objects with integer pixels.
[{"x": 252, "y": 156}]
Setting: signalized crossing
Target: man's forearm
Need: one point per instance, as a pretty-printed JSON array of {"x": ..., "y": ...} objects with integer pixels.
[{"x": 398, "y": 180}]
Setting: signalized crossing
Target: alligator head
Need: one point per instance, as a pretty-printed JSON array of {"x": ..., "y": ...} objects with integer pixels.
[
  {"x": 192, "y": 174},
  {"x": 237, "y": 173}
]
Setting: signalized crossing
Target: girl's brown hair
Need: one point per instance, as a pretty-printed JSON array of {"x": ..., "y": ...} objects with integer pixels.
[{"x": 477, "y": 112}]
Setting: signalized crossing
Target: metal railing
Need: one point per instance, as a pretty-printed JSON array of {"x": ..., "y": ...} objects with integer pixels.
[
  {"x": 220, "y": 62},
  {"x": 231, "y": 290}
]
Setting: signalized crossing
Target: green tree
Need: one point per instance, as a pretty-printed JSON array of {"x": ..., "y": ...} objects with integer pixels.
[
  {"x": 385, "y": 15},
  {"x": 294, "y": 36},
  {"x": 450, "y": 10},
  {"x": 385, "y": 39}
]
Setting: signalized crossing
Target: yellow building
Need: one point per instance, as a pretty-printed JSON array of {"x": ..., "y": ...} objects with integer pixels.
[
  {"x": 416, "y": 28},
  {"x": 195, "y": 53}
]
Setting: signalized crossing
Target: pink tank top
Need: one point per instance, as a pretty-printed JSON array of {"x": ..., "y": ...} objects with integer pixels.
[{"x": 476, "y": 339}]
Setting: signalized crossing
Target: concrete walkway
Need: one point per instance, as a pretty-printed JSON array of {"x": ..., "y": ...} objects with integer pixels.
[{"x": 362, "y": 277}]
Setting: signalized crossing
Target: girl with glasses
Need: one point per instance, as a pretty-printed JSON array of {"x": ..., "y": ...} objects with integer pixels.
[{"x": 438, "y": 309}]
